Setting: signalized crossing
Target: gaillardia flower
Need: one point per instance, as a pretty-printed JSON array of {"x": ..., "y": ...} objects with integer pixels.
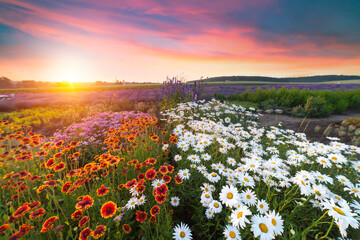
[{"x": 108, "y": 209}]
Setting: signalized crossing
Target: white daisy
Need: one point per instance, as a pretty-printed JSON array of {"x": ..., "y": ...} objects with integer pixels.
[
  {"x": 215, "y": 206},
  {"x": 175, "y": 201},
  {"x": 238, "y": 216},
  {"x": 231, "y": 232},
  {"x": 248, "y": 197},
  {"x": 229, "y": 195},
  {"x": 262, "y": 206},
  {"x": 261, "y": 226},
  {"x": 277, "y": 222},
  {"x": 182, "y": 232},
  {"x": 184, "y": 174}
]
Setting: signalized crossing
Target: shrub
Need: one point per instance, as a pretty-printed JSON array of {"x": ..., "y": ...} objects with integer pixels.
[{"x": 316, "y": 107}]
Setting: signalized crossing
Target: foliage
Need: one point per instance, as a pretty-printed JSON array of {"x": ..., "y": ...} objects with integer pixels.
[{"x": 298, "y": 100}]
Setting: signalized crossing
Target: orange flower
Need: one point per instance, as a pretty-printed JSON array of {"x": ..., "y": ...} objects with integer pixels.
[
  {"x": 166, "y": 178},
  {"x": 160, "y": 198},
  {"x": 99, "y": 231},
  {"x": 150, "y": 174},
  {"x": 59, "y": 144},
  {"x": 152, "y": 219},
  {"x": 48, "y": 224},
  {"x": 154, "y": 210},
  {"x": 65, "y": 187},
  {"x": 108, "y": 209},
  {"x": 85, "y": 203},
  {"x": 59, "y": 167},
  {"x": 76, "y": 215},
  {"x": 21, "y": 211},
  {"x": 102, "y": 191},
  {"x": 126, "y": 228},
  {"x": 58, "y": 155},
  {"x": 131, "y": 183},
  {"x": 49, "y": 176},
  {"x": 84, "y": 234},
  {"x": 51, "y": 183},
  {"x": 161, "y": 190},
  {"x": 3, "y": 228},
  {"x": 141, "y": 216},
  {"x": 163, "y": 170},
  {"x": 178, "y": 179},
  {"x": 83, "y": 221},
  {"x": 37, "y": 213}
]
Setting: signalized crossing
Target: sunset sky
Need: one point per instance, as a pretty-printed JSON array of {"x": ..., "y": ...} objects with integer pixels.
[{"x": 147, "y": 40}]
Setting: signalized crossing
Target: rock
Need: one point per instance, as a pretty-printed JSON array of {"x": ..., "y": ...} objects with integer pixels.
[
  {"x": 269, "y": 111},
  {"x": 259, "y": 111},
  {"x": 278, "y": 111}
]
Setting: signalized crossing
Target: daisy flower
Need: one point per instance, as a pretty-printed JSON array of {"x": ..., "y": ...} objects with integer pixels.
[
  {"x": 182, "y": 232},
  {"x": 238, "y": 216},
  {"x": 215, "y": 206},
  {"x": 262, "y": 206},
  {"x": 175, "y": 201},
  {"x": 276, "y": 221},
  {"x": 209, "y": 213},
  {"x": 342, "y": 214},
  {"x": 229, "y": 196},
  {"x": 184, "y": 174},
  {"x": 248, "y": 197},
  {"x": 262, "y": 227},
  {"x": 231, "y": 232}
]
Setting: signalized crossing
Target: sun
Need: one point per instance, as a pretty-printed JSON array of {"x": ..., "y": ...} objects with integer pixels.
[{"x": 69, "y": 69}]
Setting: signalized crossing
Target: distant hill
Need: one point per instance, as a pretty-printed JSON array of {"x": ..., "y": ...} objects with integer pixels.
[{"x": 320, "y": 78}]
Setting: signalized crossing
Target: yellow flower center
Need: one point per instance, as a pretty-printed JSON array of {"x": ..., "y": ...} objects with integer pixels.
[
  {"x": 273, "y": 221},
  {"x": 261, "y": 206},
  {"x": 337, "y": 198},
  {"x": 185, "y": 173},
  {"x": 355, "y": 191},
  {"x": 334, "y": 158},
  {"x": 232, "y": 234},
  {"x": 213, "y": 174},
  {"x": 240, "y": 214},
  {"x": 207, "y": 195},
  {"x": 252, "y": 165},
  {"x": 246, "y": 179},
  {"x": 216, "y": 205},
  {"x": 320, "y": 177},
  {"x": 338, "y": 210},
  {"x": 343, "y": 180},
  {"x": 182, "y": 234},
  {"x": 359, "y": 167},
  {"x": 248, "y": 196},
  {"x": 322, "y": 161},
  {"x": 229, "y": 195},
  {"x": 263, "y": 227}
]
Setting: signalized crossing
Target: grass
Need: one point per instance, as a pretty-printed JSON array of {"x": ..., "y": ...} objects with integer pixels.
[{"x": 275, "y": 83}]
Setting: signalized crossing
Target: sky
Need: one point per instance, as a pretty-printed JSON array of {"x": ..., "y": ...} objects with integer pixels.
[{"x": 148, "y": 40}]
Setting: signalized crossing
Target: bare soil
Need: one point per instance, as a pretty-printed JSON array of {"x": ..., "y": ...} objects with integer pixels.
[{"x": 307, "y": 125}]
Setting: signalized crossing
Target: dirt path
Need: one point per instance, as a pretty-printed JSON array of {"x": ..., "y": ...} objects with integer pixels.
[{"x": 307, "y": 125}]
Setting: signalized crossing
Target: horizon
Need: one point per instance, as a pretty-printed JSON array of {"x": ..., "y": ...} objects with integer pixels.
[{"x": 146, "y": 41}]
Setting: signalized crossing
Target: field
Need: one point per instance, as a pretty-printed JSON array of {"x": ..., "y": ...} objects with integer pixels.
[{"x": 169, "y": 168}]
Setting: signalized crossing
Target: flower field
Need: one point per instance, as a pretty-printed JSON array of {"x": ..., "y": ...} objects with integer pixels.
[{"x": 202, "y": 170}]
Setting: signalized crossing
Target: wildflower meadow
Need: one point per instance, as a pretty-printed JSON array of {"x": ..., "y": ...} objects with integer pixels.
[{"x": 200, "y": 169}]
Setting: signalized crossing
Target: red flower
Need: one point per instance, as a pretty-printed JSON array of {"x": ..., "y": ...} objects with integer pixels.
[
  {"x": 16, "y": 236},
  {"x": 102, "y": 191},
  {"x": 154, "y": 210},
  {"x": 50, "y": 163},
  {"x": 108, "y": 209},
  {"x": 25, "y": 228},
  {"x": 3, "y": 228},
  {"x": 76, "y": 215},
  {"x": 49, "y": 176},
  {"x": 152, "y": 161},
  {"x": 141, "y": 176},
  {"x": 84, "y": 234},
  {"x": 178, "y": 179},
  {"x": 99, "y": 231},
  {"x": 48, "y": 224},
  {"x": 65, "y": 187},
  {"x": 121, "y": 186},
  {"x": 37, "y": 213},
  {"x": 59, "y": 167},
  {"x": 160, "y": 198},
  {"x": 85, "y": 203},
  {"x": 170, "y": 168},
  {"x": 21, "y": 211},
  {"x": 51, "y": 183},
  {"x": 23, "y": 174},
  {"x": 33, "y": 178},
  {"x": 126, "y": 228},
  {"x": 166, "y": 178},
  {"x": 58, "y": 155},
  {"x": 141, "y": 216},
  {"x": 163, "y": 170},
  {"x": 150, "y": 174},
  {"x": 131, "y": 183},
  {"x": 152, "y": 219},
  {"x": 83, "y": 221},
  {"x": 34, "y": 205},
  {"x": 59, "y": 143},
  {"x": 161, "y": 190}
]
